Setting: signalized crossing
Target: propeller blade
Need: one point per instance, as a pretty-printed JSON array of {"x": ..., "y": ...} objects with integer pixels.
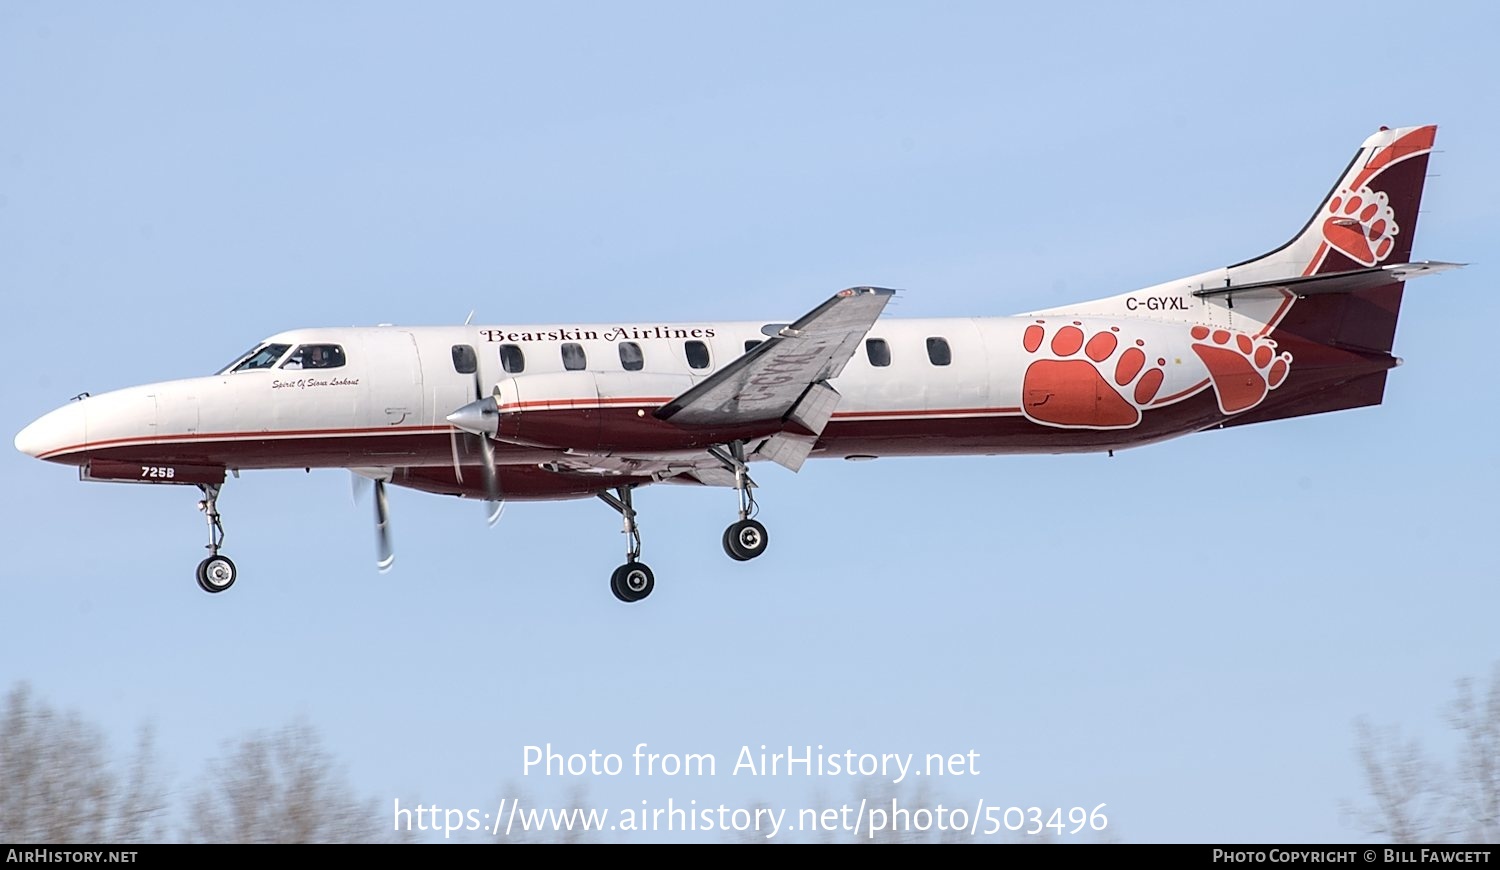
[
  {"x": 493, "y": 502},
  {"x": 479, "y": 418},
  {"x": 458, "y": 466},
  {"x": 384, "y": 555}
]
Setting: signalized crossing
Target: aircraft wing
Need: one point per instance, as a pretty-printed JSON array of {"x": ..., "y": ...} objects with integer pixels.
[{"x": 786, "y": 373}]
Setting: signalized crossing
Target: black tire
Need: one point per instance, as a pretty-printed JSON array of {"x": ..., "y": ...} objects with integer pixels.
[
  {"x": 614, "y": 584},
  {"x": 216, "y": 573},
  {"x": 632, "y": 581},
  {"x": 729, "y": 548},
  {"x": 745, "y": 540}
]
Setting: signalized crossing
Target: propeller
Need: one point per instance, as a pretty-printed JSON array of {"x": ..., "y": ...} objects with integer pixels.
[
  {"x": 361, "y": 481},
  {"x": 477, "y": 419},
  {"x": 385, "y": 556},
  {"x": 494, "y": 505}
]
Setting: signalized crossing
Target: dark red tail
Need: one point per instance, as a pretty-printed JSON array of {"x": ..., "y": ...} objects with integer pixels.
[{"x": 1342, "y": 342}]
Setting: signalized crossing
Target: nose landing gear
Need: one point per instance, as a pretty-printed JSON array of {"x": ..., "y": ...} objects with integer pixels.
[{"x": 216, "y": 573}]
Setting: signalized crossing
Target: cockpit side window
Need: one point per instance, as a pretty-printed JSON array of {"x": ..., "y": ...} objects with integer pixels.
[
  {"x": 315, "y": 356},
  {"x": 262, "y": 357}
]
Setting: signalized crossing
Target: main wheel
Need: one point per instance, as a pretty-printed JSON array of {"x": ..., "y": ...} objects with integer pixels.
[
  {"x": 632, "y": 582},
  {"x": 745, "y": 540},
  {"x": 216, "y": 573}
]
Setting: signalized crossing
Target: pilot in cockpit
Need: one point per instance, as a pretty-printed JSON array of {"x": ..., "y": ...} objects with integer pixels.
[
  {"x": 307, "y": 356},
  {"x": 315, "y": 356}
]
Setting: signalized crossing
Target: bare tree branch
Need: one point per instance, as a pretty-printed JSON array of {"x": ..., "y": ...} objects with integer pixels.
[
  {"x": 283, "y": 787},
  {"x": 1476, "y": 798},
  {"x": 58, "y": 786},
  {"x": 1415, "y": 800}
]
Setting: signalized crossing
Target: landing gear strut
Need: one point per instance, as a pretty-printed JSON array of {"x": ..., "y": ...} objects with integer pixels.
[
  {"x": 631, "y": 581},
  {"x": 216, "y": 573},
  {"x": 747, "y": 538}
]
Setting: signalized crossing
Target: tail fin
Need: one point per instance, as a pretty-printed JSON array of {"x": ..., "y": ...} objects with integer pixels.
[
  {"x": 1367, "y": 221},
  {"x": 1342, "y": 341},
  {"x": 1368, "y": 218},
  {"x": 1329, "y": 298}
]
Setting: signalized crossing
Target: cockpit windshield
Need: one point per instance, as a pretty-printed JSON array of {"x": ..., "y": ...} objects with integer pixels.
[{"x": 262, "y": 357}]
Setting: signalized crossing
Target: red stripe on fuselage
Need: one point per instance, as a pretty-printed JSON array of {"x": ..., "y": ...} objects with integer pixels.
[
  {"x": 947, "y": 412},
  {"x": 194, "y": 438}
]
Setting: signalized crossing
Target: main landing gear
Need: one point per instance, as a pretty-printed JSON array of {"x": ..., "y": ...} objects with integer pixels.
[
  {"x": 216, "y": 573},
  {"x": 743, "y": 540},
  {"x": 631, "y": 581},
  {"x": 747, "y": 538}
]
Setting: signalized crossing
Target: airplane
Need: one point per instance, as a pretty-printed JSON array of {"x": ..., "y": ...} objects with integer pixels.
[{"x": 577, "y": 410}]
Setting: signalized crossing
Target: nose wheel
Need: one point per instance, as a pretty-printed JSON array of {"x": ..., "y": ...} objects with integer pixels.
[{"x": 216, "y": 573}]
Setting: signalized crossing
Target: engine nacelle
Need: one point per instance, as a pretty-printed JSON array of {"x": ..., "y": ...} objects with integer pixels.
[{"x": 601, "y": 412}]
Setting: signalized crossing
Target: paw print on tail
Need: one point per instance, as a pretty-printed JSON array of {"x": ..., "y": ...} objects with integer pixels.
[
  {"x": 1361, "y": 225},
  {"x": 1096, "y": 382},
  {"x": 1243, "y": 369}
]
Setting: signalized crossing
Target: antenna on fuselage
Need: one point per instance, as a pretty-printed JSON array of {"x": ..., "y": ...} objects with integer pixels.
[{"x": 470, "y": 318}]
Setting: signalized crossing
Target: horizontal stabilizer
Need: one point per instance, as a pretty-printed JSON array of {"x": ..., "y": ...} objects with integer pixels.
[{"x": 1334, "y": 282}]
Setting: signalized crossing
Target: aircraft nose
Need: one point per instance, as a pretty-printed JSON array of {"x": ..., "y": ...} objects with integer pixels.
[{"x": 52, "y": 432}]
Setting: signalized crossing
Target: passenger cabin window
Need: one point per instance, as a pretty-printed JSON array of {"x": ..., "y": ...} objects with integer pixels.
[
  {"x": 939, "y": 352},
  {"x": 631, "y": 358},
  {"x": 697, "y": 354},
  {"x": 465, "y": 362},
  {"x": 573, "y": 357},
  {"x": 752, "y": 344},
  {"x": 512, "y": 359},
  {"x": 263, "y": 357},
  {"x": 878, "y": 351}
]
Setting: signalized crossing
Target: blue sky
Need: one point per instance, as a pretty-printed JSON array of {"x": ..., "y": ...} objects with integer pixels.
[{"x": 1185, "y": 632}]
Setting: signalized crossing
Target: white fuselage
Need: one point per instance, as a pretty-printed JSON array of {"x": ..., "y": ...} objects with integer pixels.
[{"x": 387, "y": 404}]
